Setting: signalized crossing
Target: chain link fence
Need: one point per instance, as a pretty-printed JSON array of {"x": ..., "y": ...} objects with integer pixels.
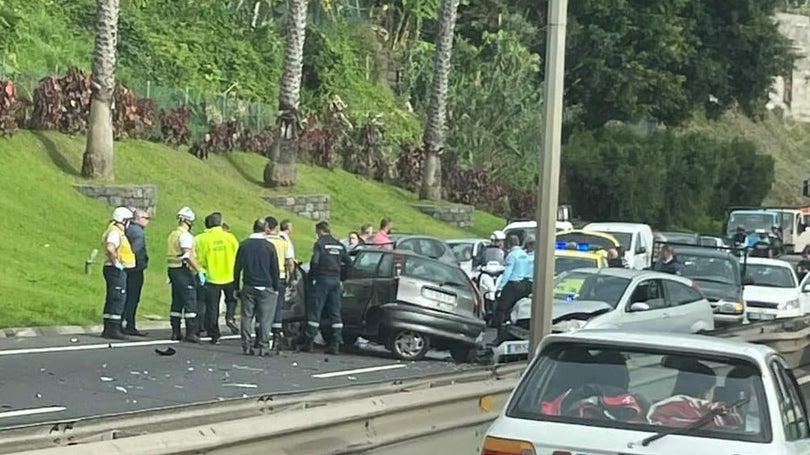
[{"x": 205, "y": 108}]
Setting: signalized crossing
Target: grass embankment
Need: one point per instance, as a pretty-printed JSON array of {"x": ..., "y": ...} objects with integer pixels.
[{"x": 47, "y": 228}]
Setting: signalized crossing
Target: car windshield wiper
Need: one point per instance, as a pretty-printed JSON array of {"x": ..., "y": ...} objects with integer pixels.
[
  {"x": 708, "y": 417},
  {"x": 712, "y": 280}
]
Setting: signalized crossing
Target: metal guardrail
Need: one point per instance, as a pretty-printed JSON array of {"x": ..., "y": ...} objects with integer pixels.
[
  {"x": 335, "y": 428},
  {"x": 83, "y": 431}
]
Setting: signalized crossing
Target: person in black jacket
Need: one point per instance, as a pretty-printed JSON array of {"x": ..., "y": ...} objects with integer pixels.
[
  {"x": 329, "y": 263},
  {"x": 256, "y": 278},
  {"x": 137, "y": 239}
]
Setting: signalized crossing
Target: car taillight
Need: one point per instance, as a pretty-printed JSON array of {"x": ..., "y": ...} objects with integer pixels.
[
  {"x": 479, "y": 298},
  {"x": 500, "y": 446}
]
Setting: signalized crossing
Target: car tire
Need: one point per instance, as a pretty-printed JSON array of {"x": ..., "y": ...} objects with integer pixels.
[
  {"x": 463, "y": 354},
  {"x": 409, "y": 345}
]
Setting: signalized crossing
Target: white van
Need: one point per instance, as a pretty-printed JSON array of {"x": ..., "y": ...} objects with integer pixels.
[
  {"x": 636, "y": 240},
  {"x": 524, "y": 229}
]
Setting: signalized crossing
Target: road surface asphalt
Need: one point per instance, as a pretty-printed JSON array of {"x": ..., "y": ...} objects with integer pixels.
[{"x": 47, "y": 379}]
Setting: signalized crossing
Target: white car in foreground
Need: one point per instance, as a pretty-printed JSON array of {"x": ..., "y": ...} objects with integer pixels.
[
  {"x": 614, "y": 298},
  {"x": 601, "y": 392},
  {"x": 772, "y": 290}
]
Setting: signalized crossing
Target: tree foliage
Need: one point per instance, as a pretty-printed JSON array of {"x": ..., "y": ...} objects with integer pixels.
[{"x": 664, "y": 178}]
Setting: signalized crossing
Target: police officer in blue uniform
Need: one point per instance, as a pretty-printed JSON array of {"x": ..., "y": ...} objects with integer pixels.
[
  {"x": 512, "y": 285},
  {"x": 328, "y": 265}
]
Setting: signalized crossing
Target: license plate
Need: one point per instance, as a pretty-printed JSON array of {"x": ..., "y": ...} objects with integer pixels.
[
  {"x": 761, "y": 316},
  {"x": 517, "y": 347},
  {"x": 441, "y": 297}
]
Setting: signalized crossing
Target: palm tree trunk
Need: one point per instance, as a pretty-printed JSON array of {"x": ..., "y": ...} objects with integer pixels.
[
  {"x": 437, "y": 117},
  {"x": 97, "y": 162},
  {"x": 281, "y": 169}
]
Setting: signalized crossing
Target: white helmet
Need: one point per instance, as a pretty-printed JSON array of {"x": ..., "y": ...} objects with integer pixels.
[
  {"x": 122, "y": 214},
  {"x": 186, "y": 214},
  {"x": 497, "y": 235}
]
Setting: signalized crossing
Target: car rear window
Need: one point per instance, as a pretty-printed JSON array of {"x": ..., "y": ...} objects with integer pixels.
[
  {"x": 564, "y": 264},
  {"x": 434, "y": 271},
  {"x": 643, "y": 390}
]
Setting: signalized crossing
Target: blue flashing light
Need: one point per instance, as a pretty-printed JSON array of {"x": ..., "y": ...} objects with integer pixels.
[{"x": 580, "y": 246}]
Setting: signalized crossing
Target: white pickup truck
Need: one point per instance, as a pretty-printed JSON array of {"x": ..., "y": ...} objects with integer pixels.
[{"x": 612, "y": 392}]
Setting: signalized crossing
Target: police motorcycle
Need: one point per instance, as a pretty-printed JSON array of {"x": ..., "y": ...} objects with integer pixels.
[{"x": 486, "y": 278}]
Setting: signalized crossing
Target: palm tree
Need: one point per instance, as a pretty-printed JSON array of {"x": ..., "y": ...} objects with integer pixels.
[
  {"x": 98, "y": 153},
  {"x": 434, "y": 128},
  {"x": 281, "y": 169}
]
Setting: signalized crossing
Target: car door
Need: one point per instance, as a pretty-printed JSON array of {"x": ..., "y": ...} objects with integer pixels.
[
  {"x": 358, "y": 287},
  {"x": 792, "y": 409},
  {"x": 655, "y": 317},
  {"x": 688, "y": 309}
]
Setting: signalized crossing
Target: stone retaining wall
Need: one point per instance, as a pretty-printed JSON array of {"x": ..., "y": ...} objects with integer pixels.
[
  {"x": 457, "y": 215},
  {"x": 313, "y": 206},
  {"x": 137, "y": 196}
]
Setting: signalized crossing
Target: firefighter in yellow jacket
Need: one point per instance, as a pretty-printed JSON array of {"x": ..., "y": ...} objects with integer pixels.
[
  {"x": 216, "y": 254},
  {"x": 185, "y": 274},
  {"x": 118, "y": 256}
]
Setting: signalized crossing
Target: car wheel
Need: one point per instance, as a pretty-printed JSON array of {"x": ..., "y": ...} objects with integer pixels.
[
  {"x": 409, "y": 345},
  {"x": 463, "y": 354}
]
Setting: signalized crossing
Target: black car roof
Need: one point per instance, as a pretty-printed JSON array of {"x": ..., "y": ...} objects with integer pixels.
[{"x": 705, "y": 251}]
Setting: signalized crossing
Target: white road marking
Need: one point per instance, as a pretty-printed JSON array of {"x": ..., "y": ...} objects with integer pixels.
[
  {"x": 359, "y": 371},
  {"x": 33, "y": 411},
  {"x": 90, "y": 347}
]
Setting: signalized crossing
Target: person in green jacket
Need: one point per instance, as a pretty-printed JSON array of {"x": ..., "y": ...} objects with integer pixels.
[{"x": 216, "y": 253}]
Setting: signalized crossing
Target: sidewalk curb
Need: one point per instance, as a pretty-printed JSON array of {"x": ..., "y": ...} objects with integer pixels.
[{"x": 31, "y": 332}]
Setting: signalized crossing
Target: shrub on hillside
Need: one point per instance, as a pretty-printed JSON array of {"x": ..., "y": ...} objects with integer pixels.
[
  {"x": 475, "y": 187},
  {"x": 47, "y": 100},
  {"x": 364, "y": 155},
  {"x": 174, "y": 125},
  {"x": 11, "y": 108},
  {"x": 409, "y": 167},
  {"x": 318, "y": 142},
  {"x": 76, "y": 92},
  {"x": 261, "y": 142},
  {"x": 132, "y": 117},
  {"x": 522, "y": 204},
  {"x": 220, "y": 138}
]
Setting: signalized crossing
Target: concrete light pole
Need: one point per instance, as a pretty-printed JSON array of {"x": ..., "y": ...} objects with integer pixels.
[{"x": 549, "y": 185}]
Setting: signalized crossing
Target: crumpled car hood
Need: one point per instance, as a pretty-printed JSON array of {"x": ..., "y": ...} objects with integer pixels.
[{"x": 562, "y": 310}]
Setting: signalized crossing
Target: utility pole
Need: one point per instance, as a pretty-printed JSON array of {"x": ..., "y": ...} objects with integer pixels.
[{"x": 549, "y": 185}]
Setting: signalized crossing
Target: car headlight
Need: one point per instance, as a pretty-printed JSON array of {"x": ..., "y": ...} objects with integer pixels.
[
  {"x": 730, "y": 306},
  {"x": 789, "y": 305}
]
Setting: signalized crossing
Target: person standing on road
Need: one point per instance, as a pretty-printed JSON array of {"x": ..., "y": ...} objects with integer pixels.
[
  {"x": 256, "y": 276},
  {"x": 285, "y": 265},
  {"x": 668, "y": 262},
  {"x": 285, "y": 231},
  {"x": 327, "y": 267},
  {"x": 216, "y": 253},
  {"x": 118, "y": 257},
  {"x": 383, "y": 237},
  {"x": 529, "y": 245},
  {"x": 366, "y": 233},
  {"x": 511, "y": 285},
  {"x": 137, "y": 239},
  {"x": 182, "y": 268}
]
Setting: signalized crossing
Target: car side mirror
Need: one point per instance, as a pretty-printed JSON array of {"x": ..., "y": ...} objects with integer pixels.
[
  {"x": 639, "y": 306},
  {"x": 747, "y": 281},
  {"x": 641, "y": 250}
]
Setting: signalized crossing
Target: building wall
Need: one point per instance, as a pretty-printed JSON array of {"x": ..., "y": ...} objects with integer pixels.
[{"x": 792, "y": 94}]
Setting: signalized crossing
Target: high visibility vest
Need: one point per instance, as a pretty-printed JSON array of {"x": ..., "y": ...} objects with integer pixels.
[
  {"x": 281, "y": 252},
  {"x": 216, "y": 253},
  {"x": 174, "y": 254},
  {"x": 124, "y": 250}
]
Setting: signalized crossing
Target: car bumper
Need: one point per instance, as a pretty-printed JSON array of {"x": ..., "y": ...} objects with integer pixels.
[
  {"x": 767, "y": 314},
  {"x": 441, "y": 326}
]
